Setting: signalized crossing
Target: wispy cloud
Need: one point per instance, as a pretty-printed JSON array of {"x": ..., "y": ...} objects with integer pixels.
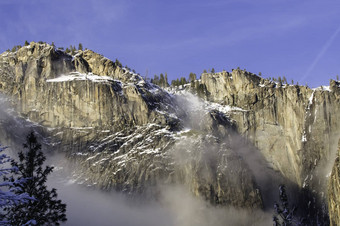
[
  {"x": 229, "y": 36},
  {"x": 322, "y": 52},
  {"x": 109, "y": 11}
]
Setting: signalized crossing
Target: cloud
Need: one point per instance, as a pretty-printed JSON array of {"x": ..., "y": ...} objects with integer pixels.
[
  {"x": 322, "y": 52},
  {"x": 225, "y": 33},
  {"x": 109, "y": 11},
  {"x": 176, "y": 207},
  {"x": 91, "y": 207},
  {"x": 186, "y": 210}
]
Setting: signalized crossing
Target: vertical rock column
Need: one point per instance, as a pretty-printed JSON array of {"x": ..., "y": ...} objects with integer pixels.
[{"x": 334, "y": 192}]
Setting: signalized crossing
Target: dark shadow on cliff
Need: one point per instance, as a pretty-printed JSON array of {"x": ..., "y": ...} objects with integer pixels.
[
  {"x": 310, "y": 206},
  {"x": 14, "y": 127}
]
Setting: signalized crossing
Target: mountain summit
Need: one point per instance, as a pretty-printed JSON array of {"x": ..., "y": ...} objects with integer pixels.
[{"x": 231, "y": 146}]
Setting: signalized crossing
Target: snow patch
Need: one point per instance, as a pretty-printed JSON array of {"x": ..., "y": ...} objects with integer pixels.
[
  {"x": 222, "y": 108},
  {"x": 323, "y": 88},
  {"x": 304, "y": 137},
  {"x": 311, "y": 98},
  {"x": 150, "y": 151},
  {"x": 81, "y": 154},
  {"x": 81, "y": 128},
  {"x": 310, "y": 101},
  {"x": 76, "y": 76}
]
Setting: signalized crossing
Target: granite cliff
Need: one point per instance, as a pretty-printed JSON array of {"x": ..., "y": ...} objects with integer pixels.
[
  {"x": 121, "y": 132},
  {"x": 295, "y": 127},
  {"x": 334, "y": 191}
]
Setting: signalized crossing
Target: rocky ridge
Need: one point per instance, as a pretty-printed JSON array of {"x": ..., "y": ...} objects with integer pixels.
[
  {"x": 295, "y": 127},
  {"x": 120, "y": 131},
  {"x": 124, "y": 133}
]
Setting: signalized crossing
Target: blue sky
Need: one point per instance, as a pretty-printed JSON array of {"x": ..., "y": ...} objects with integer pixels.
[{"x": 296, "y": 39}]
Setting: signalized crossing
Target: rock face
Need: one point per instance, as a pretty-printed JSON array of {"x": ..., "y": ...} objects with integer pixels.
[
  {"x": 334, "y": 191},
  {"x": 120, "y": 131},
  {"x": 75, "y": 99},
  {"x": 123, "y": 133},
  {"x": 293, "y": 126}
]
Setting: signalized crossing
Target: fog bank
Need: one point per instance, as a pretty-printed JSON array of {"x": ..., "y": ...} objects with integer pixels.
[{"x": 175, "y": 207}]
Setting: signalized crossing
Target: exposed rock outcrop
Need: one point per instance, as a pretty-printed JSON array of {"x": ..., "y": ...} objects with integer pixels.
[
  {"x": 122, "y": 132},
  {"x": 127, "y": 134},
  {"x": 294, "y": 127},
  {"x": 51, "y": 92},
  {"x": 334, "y": 192}
]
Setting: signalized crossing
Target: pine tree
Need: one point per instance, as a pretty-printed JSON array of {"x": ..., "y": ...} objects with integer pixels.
[
  {"x": 166, "y": 80},
  {"x": 192, "y": 77},
  {"x": 80, "y": 46},
  {"x": 284, "y": 214},
  {"x": 161, "y": 80},
  {"x": 8, "y": 189},
  {"x": 45, "y": 209},
  {"x": 72, "y": 49},
  {"x": 118, "y": 64},
  {"x": 183, "y": 81},
  {"x": 26, "y": 43},
  {"x": 155, "y": 80},
  {"x": 175, "y": 82}
]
